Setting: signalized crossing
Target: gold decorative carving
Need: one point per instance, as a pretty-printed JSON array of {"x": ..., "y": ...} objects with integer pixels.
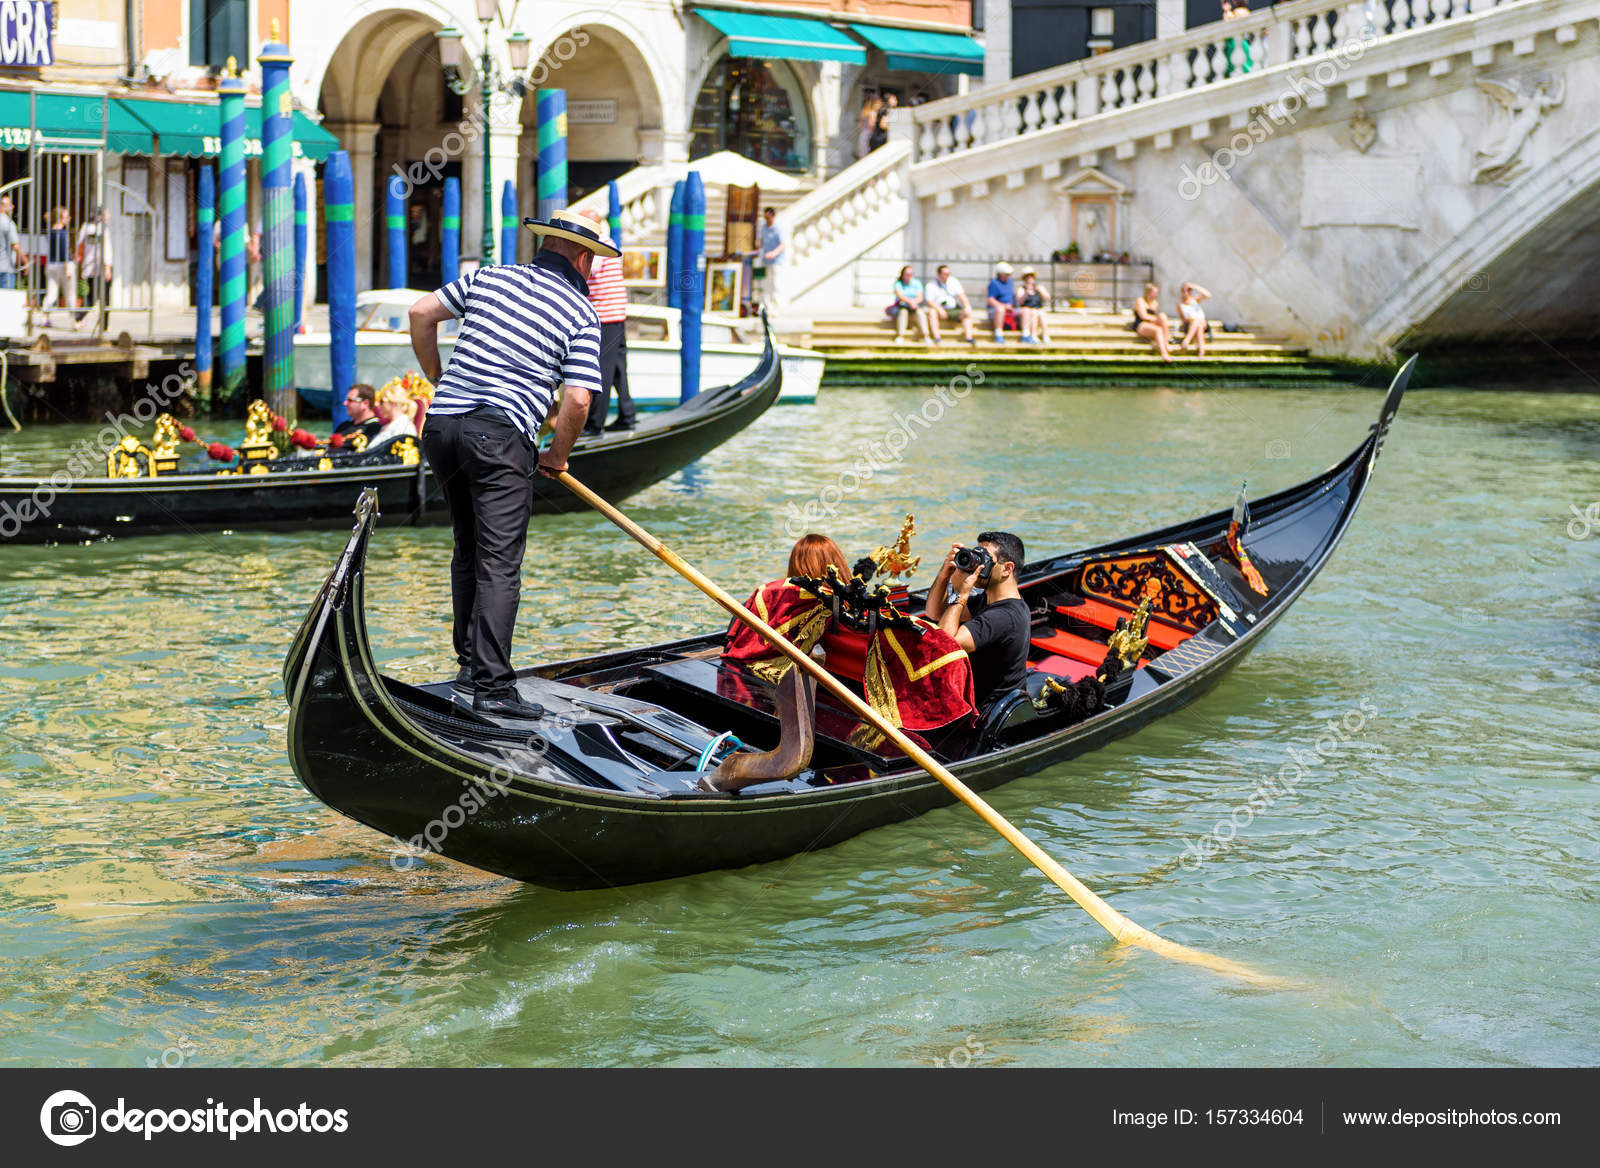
[{"x": 897, "y": 560}]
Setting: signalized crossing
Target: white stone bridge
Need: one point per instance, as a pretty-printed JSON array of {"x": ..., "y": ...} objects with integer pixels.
[{"x": 1353, "y": 178}]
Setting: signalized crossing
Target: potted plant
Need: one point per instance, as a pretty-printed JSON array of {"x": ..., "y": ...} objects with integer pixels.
[{"x": 1072, "y": 254}]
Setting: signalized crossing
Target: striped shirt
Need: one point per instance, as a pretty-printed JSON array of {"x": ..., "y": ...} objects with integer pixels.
[
  {"x": 525, "y": 329},
  {"x": 606, "y": 291}
]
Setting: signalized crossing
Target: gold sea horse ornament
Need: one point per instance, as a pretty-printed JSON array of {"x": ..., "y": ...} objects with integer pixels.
[{"x": 897, "y": 560}]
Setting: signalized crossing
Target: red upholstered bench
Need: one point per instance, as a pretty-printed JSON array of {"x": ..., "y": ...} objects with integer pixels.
[
  {"x": 1106, "y": 616},
  {"x": 1065, "y": 667},
  {"x": 1071, "y": 645}
]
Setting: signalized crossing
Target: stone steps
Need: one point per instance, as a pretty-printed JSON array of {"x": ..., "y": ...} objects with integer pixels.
[{"x": 1071, "y": 334}]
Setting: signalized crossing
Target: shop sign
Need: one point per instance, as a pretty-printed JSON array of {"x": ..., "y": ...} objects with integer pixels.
[{"x": 27, "y": 33}]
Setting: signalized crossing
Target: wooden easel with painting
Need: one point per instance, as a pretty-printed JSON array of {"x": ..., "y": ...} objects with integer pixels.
[{"x": 741, "y": 216}]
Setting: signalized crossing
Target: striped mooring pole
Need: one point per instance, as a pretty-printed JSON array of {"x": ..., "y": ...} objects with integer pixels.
[
  {"x": 508, "y": 223},
  {"x": 450, "y": 233},
  {"x": 394, "y": 215},
  {"x": 301, "y": 244},
  {"x": 277, "y": 238},
  {"x": 614, "y": 212},
  {"x": 230, "y": 200},
  {"x": 675, "y": 247},
  {"x": 693, "y": 280},
  {"x": 551, "y": 108},
  {"x": 339, "y": 208},
  {"x": 204, "y": 286}
]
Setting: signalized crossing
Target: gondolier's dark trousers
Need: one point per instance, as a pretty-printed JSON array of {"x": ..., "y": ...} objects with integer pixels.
[
  {"x": 613, "y": 373},
  {"x": 484, "y": 466}
]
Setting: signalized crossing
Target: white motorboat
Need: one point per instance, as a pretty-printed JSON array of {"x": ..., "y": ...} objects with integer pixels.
[{"x": 728, "y": 347}]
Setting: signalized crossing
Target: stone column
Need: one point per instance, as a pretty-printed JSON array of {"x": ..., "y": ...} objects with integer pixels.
[
  {"x": 360, "y": 140},
  {"x": 997, "y": 41},
  {"x": 1171, "y": 17},
  {"x": 505, "y": 140}
]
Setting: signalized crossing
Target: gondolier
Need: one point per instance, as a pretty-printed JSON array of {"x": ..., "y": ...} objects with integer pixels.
[{"x": 527, "y": 330}]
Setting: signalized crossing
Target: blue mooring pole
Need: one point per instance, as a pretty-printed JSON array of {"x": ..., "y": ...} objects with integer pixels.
[
  {"x": 394, "y": 212},
  {"x": 339, "y": 202},
  {"x": 614, "y": 212},
  {"x": 450, "y": 233},
  {"x": 301, "y": 209},
  {"x": 675, "y": 248},
  {"x": 693, "y": 281},
  {"x": 204, "y": 260},
  {"x": 509, "y": 222}
]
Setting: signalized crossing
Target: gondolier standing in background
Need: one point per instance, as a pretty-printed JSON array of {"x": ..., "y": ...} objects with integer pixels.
[
  {"x": 609, "y": 296},
  {"x": 527, "y": 330}
]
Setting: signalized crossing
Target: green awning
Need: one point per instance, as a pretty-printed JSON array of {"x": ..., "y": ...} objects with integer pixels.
[
  {"x": 194, "y": 129},
  {"x": 182, "y": 127},
  {"x": 69, "y": 121},
  {"x": 139, "y": 125},
  {"x": 791, "y": 38},
  {"x": 915, "y": 51}
]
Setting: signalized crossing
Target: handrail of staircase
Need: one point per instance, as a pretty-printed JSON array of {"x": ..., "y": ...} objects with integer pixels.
[{"x": 1160, "y": 68}]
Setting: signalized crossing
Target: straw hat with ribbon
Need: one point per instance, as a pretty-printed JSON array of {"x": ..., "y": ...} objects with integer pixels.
[{"x": 574, "y": 229}]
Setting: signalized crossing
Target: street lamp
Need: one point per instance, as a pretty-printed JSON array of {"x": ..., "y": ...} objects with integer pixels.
[{"x": 491, "y": 81}]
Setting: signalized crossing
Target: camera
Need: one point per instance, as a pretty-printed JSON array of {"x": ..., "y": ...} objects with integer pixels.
[
  {"x": 72, "y": 1119},
  {"x": 974, "y": 559}
]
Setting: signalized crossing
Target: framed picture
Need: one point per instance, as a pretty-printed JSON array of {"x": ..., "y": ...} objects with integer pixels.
[
  {"x": 722, "y": 286},
  {"x": 644, "y": 267}
]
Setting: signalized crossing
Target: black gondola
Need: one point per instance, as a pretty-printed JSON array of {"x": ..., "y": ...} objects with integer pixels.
[
  {"x": 295, "y": 494},
  {"x": 603, "y": 790}
]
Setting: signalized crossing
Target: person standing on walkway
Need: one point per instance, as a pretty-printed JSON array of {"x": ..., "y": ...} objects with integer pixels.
[
  {"x": 527, "y": 330},
  {"x": 773, "y": 251},
  {"x": 11, "y": 258},
  {"x": 609, "y": 296},
  {"x": 60, "y": 273}
]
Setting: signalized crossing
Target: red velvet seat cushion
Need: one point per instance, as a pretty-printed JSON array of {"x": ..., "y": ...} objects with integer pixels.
[{"x": 1065, "y": 667}]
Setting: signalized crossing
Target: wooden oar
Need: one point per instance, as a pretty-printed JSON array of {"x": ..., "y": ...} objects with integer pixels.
[{"x": 1119, "y": 926}]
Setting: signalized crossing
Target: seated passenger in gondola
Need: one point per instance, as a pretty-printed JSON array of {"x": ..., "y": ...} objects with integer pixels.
[
  {"x": 398, "y": 412},
  {"x": 361, "y": 404},
  {"x": 988, "y": 617},
  {"x": 811, "y": 555}
]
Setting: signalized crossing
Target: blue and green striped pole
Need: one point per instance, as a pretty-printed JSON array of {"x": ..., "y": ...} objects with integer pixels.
[
  {"x": 614, "y": 212},
  {"x": 301, "y": 245},
  {"x": 551, "y": 108},
  {"x": 277, "y": 237},
  {"x": 339, "y": 207},
  {"x": 450, "y": 233},
  {"x": 675, "y": 247},
  {"x": 394, "y": 213},
  {"x": 693, "y": 281},
  {"x": 230, "y": 201},
  {"x": 508, "y": 223},
  {"x": 204, "y": 287}
]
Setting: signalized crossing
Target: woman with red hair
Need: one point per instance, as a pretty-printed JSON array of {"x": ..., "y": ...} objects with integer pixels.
[{"x": 811, "y": 556}]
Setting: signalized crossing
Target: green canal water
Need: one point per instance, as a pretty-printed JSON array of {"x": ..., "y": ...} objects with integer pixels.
[{"x": 169, "y": 894}]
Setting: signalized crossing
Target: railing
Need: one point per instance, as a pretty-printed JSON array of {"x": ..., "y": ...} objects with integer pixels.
[
  {"x": 1100, "y": 287},
  {"x": 1152, "y": 70},
  {"x": 641, "y": 191},
  {"x": 855, "y": 209}
]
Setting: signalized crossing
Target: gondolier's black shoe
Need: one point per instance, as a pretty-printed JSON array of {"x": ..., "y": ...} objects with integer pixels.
[
  {"x": 619, "y": 424},
  {"x": 590, "y": 432},
  {"x": 463, "y": 681},
  {"x": 507, "y": 706}
]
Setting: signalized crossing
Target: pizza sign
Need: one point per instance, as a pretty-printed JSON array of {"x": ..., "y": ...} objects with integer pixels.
[{"x": 27, "y": 33}]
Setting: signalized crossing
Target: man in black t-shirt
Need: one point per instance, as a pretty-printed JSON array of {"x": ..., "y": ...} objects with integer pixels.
[{"x": 992, "y": 626}]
